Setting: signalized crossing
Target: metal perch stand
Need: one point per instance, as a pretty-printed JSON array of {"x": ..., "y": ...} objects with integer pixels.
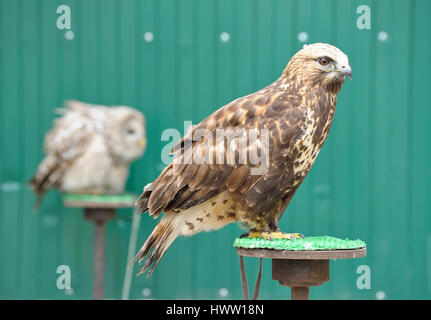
[
  {"x": 99, "y": 211},
  {"x": 298, "y": 270}
]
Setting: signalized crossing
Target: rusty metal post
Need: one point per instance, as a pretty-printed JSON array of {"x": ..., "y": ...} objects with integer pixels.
[
  {"x": 99, "y": 217},
  {"x": 300, "y": 275},
  {"x": 300, "y": 293}
]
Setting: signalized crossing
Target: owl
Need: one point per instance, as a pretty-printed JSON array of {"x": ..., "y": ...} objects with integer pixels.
[{"x": 89, "y": 150}]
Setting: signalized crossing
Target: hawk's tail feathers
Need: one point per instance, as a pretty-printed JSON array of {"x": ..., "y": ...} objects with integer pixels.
[{"x": 157, "y": 243}]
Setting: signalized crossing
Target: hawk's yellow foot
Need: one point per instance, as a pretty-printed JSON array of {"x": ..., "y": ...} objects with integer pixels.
[{"x": 275, "y": 235}]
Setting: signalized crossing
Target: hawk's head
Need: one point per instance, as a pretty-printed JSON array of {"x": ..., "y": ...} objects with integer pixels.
[{"x": 319, "y": 63}]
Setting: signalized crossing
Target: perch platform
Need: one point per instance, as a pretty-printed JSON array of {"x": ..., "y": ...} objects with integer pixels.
[{"x": 298, "y": 264}]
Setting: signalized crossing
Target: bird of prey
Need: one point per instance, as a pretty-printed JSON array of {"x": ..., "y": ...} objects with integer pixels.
[
  {"x": 89, "y": 149},
  {"x": 296, "y": 112}
]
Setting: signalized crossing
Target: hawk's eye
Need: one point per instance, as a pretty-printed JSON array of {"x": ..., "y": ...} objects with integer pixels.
[
  {"x": 324, "y": 61},
  {"x": 130, "y": 131}
]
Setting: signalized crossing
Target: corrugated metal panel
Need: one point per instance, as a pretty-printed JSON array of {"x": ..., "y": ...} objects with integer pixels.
[{"x": 372, "y": 179}]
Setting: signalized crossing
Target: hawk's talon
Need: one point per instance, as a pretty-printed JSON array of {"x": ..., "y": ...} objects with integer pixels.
[
  {"x": 275, "y": 235},
  {"x": 298, "y": 235}
]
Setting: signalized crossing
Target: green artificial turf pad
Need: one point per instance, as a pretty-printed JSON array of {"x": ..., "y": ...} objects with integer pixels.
[
  {"x": 307, "y": 243},
  {"x": 104, "y": 198}
]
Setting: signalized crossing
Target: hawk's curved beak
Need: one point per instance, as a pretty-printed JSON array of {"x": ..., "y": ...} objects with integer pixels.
[{"x": 347, "y": 71}]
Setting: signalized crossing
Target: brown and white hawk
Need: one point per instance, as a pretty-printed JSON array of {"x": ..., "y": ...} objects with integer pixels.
[{"x": 296, "y": 111}]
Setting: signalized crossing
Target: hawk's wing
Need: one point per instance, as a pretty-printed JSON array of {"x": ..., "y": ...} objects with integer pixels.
[{"x": 183, "y": 184}]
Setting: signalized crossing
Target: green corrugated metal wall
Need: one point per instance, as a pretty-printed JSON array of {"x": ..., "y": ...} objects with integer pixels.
[{"x": 372, "y": 179}]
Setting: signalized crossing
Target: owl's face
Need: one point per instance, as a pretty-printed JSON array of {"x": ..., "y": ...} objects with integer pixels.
[
  {"x": 128, "y": 140},
  {"x": 134, "y": 137}
]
